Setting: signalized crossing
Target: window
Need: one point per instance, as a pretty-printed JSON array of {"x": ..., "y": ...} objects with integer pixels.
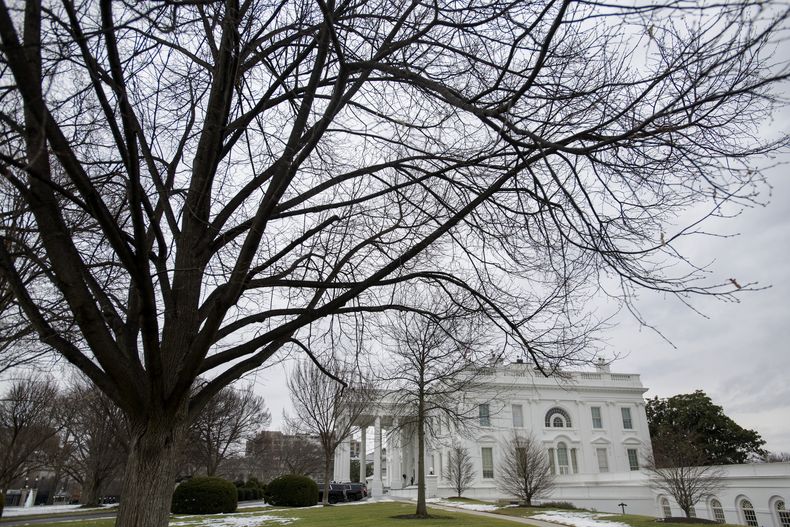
[
  {"x": 485, "y": 416},
  {"x": 574, "y": 463},
  {"x": 558, "y": 418},
  {"x": 627, "y": 423},
  {"x": 784, "y": 514},
  {"x": 562, "y": 458},
  {"x": 665, "y": 508},
  {"x": 518, "y": 416},
  {"x": 717, "y": 510},
  {"x": 488, "y": 462},
  {"x": 551, "y": 461},
  {"x": 603, "y": 460},
  {"x": 633, "y": 459},
  {"x": 596, "y": 417},
  {"x": 748, "y": 513}
]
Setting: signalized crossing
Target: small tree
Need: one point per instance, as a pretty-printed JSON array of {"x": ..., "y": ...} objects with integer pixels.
[
  {"x": 525, "y": 470},
  {"x": 325, "y": 406},
  {"x": 436, "y": 353},
  {"x": 678, "y": 467},
  {"x": 460, "y": 469}
]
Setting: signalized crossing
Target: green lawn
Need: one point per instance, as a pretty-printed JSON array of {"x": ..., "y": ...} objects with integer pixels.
[{"x": 366, "y": 515}]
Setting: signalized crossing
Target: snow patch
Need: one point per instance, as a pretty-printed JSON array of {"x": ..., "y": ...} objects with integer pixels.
[
  {"x": 577, "y": 519},
  {"x": 221, "y": 520},
  {"x": 481, "y": 507},
  {"x": 49, "y": 509}
]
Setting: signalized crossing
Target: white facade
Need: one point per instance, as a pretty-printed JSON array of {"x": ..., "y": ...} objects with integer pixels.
[{"x": 591, "y": 424}]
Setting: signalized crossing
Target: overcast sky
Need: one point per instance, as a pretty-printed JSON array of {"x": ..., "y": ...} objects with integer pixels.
[{"x": 739, "y": 354}]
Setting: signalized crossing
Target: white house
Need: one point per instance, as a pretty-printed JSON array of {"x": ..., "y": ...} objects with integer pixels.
[{"x": 592, "y": 426}]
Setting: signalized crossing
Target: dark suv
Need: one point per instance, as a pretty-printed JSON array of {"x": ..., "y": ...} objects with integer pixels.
[
  {"x": 356, "y": 491},
  {"x": 337, "y": 492}
]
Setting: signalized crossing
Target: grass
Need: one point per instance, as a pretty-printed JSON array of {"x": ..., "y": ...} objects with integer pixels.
[{"x": 368, "y": 515}]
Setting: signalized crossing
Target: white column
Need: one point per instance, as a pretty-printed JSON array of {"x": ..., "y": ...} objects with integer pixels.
[
  {"x": 394, "y": 453},
  {"x": 378, "y": 488},
  {"x": 363, "y": 458}
]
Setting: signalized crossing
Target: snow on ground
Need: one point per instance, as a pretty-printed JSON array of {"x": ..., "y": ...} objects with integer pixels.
[
  {"x": 253, "y": 504},
  {"x": 236, "y": 520},
  {"x": 47, "y": 509},
  {"x": 577, "y": 519},
  {"x": 482, "y": 507}
]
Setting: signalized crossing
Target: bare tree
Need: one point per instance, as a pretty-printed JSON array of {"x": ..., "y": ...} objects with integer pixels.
[
  {"x": 525, "y": 470},
  {"x": 29, "y": 420},
  {"x": 460, "y": 469},
  {"x": 326, "y": 409},
  {"x": 225, "y": 423},
  {"x": 96, "y": 440},
  {"x": 678, "y": 467},
  {"x": 210, "y": 183},
  {"x": 776, "y": 457},
  {"x": 272, "y": 453},
  {"x": 434, "y": 356}
]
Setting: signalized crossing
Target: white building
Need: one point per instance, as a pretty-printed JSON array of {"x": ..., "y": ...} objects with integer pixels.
[{"x": 593, "y": 427}]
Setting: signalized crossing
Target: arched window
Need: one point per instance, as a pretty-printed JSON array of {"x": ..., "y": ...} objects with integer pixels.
[
  {"x": 717, "y": 511},
  {"x": 782, "y": 513},
  {"x": 665, "y": 508},
  {"x": 558, "y": 418},
  {"x": 562, "y": 458},
  {"x": 748, "y": 513}
]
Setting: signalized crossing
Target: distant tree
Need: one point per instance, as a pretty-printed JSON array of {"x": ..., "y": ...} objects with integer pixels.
[
  {"x": 776, "y": 457},
  {"x": 29, "y": 421},
  {"x": 326, "y": 405},
  {"x": 221, "y": 428},
  {"x": 693, "y": 417},
  {"x": 355, "y": 471},
  {"x": 271, "y": 454},
  {"x": 525, "y": 470},
  {"x": 460, "y": 469},
  {"x": 96, "y": 440},
  {"x": 678, "y": 467}
]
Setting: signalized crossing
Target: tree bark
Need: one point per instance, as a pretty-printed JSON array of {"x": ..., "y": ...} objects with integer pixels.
[
  {"x": 149, "y": 477},
  {"x": 327, "y": 460},
  {"x": 422, "y": 508}
]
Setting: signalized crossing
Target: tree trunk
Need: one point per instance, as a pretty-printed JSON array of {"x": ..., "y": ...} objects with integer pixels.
[
  {"x": 89, "y": 497},
  {"x": 327, "y": 461},
  {"x": 55, "y": 483},
  {"x": 149, "y": 476},
  {"x": 422, "y": 508}
]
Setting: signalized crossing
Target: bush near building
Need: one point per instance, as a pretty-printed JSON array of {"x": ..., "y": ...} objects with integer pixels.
[
  {"x": 292, "y": 491},
  {"x": 204, "y": 495}
]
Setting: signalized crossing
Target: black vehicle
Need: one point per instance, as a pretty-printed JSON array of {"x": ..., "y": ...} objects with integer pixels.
[
  {"x": 337, "y": 492},
  {"x": 356, "y": 491}
]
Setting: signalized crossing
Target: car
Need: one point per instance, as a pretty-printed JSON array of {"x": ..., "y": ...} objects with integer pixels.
[
  {"x": 356, "y": 491},
  {"x": 337, "y": 493}
]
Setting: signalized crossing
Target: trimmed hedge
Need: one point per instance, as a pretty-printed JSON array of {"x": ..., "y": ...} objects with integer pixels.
[
  {"x": 204, "y": 496},
  {"x": 292, "y": 491}
]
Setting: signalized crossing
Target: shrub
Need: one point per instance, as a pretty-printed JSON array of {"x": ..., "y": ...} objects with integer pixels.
[
  {"x": 2, "y": 502},
  {"x": 204, "y": 496},
  {"x": 292, "y": 491}
]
